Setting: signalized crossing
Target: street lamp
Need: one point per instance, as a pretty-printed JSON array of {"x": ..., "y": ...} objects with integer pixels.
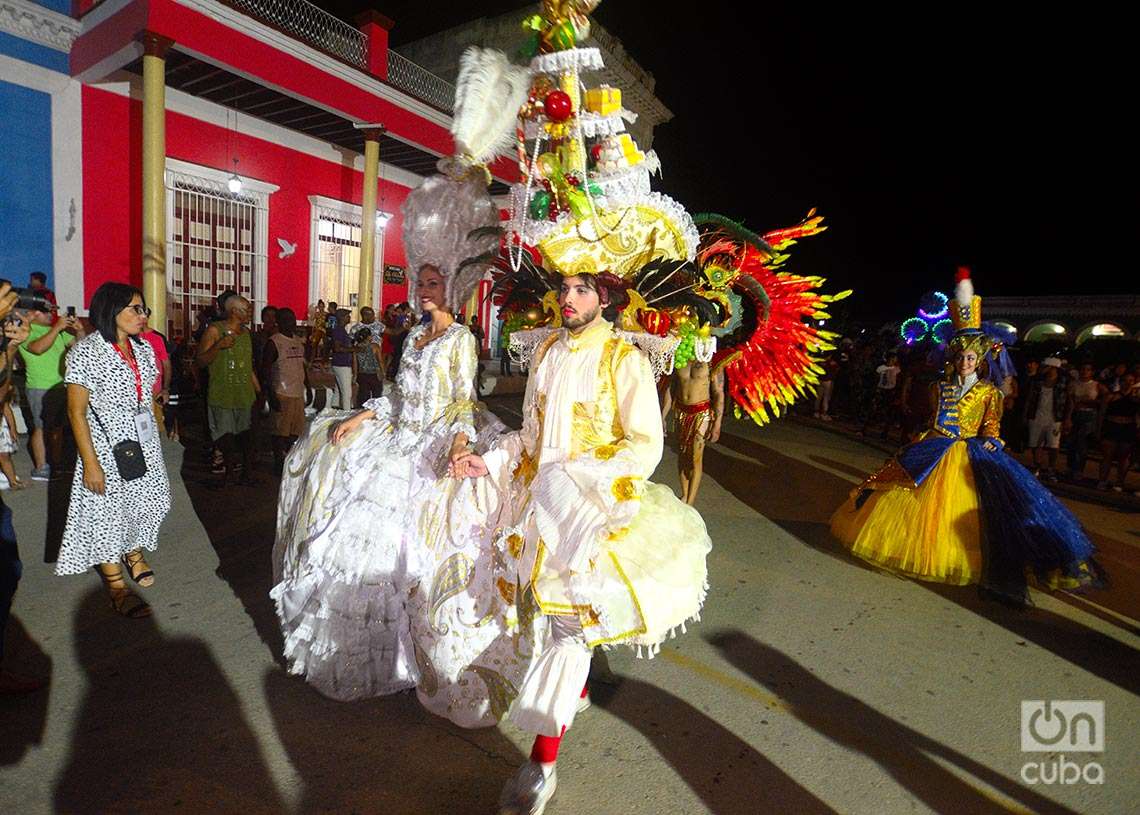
[
  {"x": 234, "y": 183},
  {"x": 382, "y": 219}
]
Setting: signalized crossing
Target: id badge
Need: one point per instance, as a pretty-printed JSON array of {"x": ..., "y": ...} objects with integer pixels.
[{"x": 144, "y": 425}]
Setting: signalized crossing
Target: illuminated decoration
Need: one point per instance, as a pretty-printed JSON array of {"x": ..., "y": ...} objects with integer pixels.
[
  {"x": 234, "y": 182},
  {"x": 931, "y": 322},
  {"x": 683, "y": 288},
  {"x": 942, "y": 331},
  {"x": 914, "y": 329},
  {"x": 934, "y": 307},
  {"x": 1107, "y": 330}
]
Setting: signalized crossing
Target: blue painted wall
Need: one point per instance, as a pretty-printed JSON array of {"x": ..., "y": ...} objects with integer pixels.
[
  {"x": 25, "y": 184},
  {"x": 33, "y": 52},
  {"x": 62, "y": 6}
]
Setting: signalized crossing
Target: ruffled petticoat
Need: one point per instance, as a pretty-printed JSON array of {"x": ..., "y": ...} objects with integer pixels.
[
  {"x": 385, "y": 576},
  {"x": 975, "y": 516},
  {"x": 341, "y": 569},
  {"x": 648, "y": 580}
]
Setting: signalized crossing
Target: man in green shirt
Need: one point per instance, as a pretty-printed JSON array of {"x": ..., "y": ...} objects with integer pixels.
[
  {"x": 226, "y": 351},
  {"x": 43, "y": 354}
]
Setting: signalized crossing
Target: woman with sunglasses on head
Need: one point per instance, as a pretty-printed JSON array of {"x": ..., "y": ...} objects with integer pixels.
[{"x": 117, "y": 502}]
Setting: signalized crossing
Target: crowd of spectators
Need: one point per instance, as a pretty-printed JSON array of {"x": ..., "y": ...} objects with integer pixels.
[{"x": 1054, "y": 405}]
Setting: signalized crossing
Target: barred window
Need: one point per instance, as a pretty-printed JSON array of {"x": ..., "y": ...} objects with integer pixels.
[
  {"x": 335, "y": 256},
  {"x": 216, "y": 240}
]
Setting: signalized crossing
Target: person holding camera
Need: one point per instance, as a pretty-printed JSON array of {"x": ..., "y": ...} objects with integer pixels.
[
  {"x": 120, "y": 493},
  {"x": 11, "y": 567},
  {"x": 43, "y": 353}
]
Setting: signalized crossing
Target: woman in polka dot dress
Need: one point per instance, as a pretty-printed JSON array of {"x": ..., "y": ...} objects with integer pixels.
[{"x": 110, "y": 374}]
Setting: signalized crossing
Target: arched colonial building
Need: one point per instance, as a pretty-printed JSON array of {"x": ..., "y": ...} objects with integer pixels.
[{"x": 1077, "y": 319}]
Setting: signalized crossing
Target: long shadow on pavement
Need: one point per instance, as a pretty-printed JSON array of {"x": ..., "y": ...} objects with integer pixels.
[
  {"x": 24, "y": 715},
  {"x": 801, "y": 501},
  {"x": 241, "y": 523},
  {"x": 159, "y": 728},
  {"x": 729, "y": 775},
  {"x": 386, "y": 755},
  {"x": 904, "y": 753}
]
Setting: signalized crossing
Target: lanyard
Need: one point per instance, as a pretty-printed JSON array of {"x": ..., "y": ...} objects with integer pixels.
[{"x": 133, "y": 364}]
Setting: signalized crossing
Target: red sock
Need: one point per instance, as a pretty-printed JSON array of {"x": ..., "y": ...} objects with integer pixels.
[{"x": 545, "y": 750}]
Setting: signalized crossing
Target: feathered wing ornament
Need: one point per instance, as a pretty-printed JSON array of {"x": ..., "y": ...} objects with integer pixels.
[
  {"x": 488, "y": 95},
  {"x": 769, "y": 353}
]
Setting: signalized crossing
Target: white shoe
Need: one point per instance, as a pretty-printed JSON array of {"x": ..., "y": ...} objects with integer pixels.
[
  {"x": 584, "y": 704},
  {"x": 529, "y": 791}
]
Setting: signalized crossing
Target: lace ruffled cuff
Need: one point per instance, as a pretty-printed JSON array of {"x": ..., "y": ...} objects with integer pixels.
[
  {"x": 460, "y": 418},
  {"x": 381, "y": 406},
  {"x": 611, "y": 479}
]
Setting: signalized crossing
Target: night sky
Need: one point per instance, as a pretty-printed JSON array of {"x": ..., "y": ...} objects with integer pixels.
[{"x": 929, "y": 136}]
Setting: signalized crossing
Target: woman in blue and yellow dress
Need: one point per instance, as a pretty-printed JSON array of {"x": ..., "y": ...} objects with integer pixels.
[{"x": 953, "y": 507}]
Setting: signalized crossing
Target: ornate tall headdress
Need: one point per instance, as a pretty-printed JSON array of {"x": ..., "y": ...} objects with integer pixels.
[
  {"x": 683, "y": 284},
  {"x": 441, "y": 214},
  {"x": 966, "y": 315}
]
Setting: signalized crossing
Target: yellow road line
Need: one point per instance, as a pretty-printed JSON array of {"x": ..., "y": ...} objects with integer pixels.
[
  {"x": 771, "y": 702},
  {"x": 721, "y": 678}
]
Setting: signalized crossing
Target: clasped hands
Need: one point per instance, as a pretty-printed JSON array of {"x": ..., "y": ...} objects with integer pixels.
[{"x": 463, "y": 461}]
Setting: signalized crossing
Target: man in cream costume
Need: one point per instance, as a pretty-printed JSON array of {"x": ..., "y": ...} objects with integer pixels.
[{"x": 608, "y": 557}]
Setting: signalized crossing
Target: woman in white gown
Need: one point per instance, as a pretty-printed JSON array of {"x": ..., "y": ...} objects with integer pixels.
[{"x": 384, "y": 572}]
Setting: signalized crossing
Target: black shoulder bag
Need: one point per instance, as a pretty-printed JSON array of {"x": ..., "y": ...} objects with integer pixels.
[{"x": 128, "y": 453}]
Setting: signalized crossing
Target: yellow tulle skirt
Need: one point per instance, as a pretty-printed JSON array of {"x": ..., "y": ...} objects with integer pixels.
[{"x": 930, "y": 532}]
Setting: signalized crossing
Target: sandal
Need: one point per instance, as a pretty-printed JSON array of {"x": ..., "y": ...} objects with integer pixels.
[
  {"x": 131, "y": 562},
  {"x": 123, "y": 600}
]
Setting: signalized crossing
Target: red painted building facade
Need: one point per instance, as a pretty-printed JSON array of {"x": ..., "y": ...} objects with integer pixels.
[{"x": 273, "y": 93}]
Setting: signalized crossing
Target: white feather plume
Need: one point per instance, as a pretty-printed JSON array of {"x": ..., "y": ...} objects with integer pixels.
[
  {"x": 964, "y": 292},
  {"x": 488, "y": 95}
]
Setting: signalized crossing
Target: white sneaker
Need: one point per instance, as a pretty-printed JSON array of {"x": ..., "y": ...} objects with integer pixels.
[
  {"x": 584, "y": 704},
  {"x": 529, "y": 791}
]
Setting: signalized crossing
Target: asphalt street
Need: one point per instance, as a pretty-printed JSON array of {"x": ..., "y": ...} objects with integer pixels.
[{"x": 813, "y": 684}]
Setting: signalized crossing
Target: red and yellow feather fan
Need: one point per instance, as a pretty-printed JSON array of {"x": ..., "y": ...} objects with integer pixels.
[{"x": 769, "y": 347}]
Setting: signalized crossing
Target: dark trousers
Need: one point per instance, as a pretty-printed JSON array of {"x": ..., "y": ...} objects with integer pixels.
[
  {"x": 368, "y": 386},
  {"x": 1080, "y": 439},
  {"x": 10, "y": 570}
]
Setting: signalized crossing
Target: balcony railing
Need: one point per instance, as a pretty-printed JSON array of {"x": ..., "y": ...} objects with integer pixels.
[
  {"x": 314, "y": 26},
  {"x": 311, "y": 25},
  {"x": 420, "y": 82}
]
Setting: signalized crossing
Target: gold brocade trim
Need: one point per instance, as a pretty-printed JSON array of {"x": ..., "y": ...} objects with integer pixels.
[
  {"x": 889, "y": 475},
  {"x": 526, "y": 469},
  {"x": 556, "y": 609},
  {"x": 453, "y": 410},
  {"x": 623, "y": 488},
  {"x": 605, "y": 452},
  {"x": 619, "y": 241},
  {"x": 598, "y": 423},
  {"x": 635, "y": 632},
  {"x": 515, "y": 545},
  {"x": 506, "y": 590}
]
